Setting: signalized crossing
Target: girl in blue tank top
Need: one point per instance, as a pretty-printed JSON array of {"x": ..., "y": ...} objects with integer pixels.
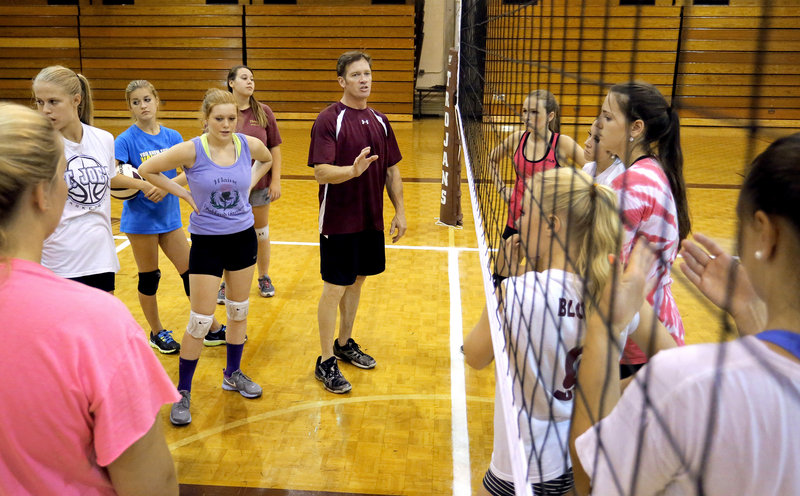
[
  {"x": 152, "y": 218},
  {"x": 217, "y": 167}
]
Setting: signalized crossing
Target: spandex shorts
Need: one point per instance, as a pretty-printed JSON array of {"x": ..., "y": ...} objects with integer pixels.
[
  {"x": 103, "y": 281},
  {"x": 499, "y": 487},
  {"x": 211, "y": 254},
  {"x": 345, "y": 256}
]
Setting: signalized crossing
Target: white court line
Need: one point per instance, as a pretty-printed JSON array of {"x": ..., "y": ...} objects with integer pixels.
[
  {"x": 458, "y": 396},
  {"x": 304, "y": 243},
  {"x": 124, "y": 245}
]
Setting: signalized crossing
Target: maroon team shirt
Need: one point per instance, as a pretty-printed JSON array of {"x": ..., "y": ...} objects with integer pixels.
[
  {"x": 248, "y": 124},
  {"x": 338, "y": 136}
]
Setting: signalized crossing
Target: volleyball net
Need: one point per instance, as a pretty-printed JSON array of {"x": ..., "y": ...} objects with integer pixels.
[{"x": 716, "y": 66}]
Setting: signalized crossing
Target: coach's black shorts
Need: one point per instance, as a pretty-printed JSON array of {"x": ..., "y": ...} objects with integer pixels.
[
  {"x": 211, "y": 254},
  {"x": 103, "y": 281},
  {"x": 345, "y": 256}
]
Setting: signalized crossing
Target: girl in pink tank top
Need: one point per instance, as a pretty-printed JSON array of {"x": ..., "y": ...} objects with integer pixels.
[{"x": 537, "y": 148}]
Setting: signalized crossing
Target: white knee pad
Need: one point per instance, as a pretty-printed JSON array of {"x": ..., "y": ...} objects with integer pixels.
[
  {"x": 262, "y": 233},
  {"x": 199, "y": 324},
  {"x": 237, "y": 310}
]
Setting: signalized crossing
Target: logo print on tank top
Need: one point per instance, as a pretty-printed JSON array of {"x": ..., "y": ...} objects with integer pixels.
[
  {"x": 226, "y": 198},
  {"x": 87, "y": 182}
]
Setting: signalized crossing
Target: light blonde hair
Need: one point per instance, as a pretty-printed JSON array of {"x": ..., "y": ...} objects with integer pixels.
[
  {"x": 72, "y": 84},
  {"x": 137, "y": 84},
  {"x": 214, "y": 97},
  {"x": 593, "y": 229},
  {"x": 29, "y": 154}
]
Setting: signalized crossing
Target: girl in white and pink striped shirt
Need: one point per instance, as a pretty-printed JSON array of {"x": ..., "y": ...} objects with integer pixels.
[{"x": 638, "y": 126}]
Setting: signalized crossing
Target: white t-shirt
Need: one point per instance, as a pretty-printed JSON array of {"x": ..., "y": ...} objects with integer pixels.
[
  {"x": 544, "y": 315},
  {"x": 607, "y": 175},
  {"x": 755, "y": 439},
  {"x": 83, "y": 244}
]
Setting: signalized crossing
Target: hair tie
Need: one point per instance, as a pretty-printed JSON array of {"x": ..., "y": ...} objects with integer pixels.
[{"x": 593, "y": 191}]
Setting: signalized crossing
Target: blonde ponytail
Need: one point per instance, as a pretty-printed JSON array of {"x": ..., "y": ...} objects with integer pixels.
[
  {"x": 30, "y": 150},
  {"x": 86, "y": 107},
  {"x": 72, "y": 84},
  {"x": 593, "y": 228}
]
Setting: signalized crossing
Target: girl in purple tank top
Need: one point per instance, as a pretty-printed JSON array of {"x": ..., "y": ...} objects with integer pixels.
[{"x": 217, "y": 166}]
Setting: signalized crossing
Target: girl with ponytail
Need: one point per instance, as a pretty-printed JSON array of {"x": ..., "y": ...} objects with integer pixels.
[
  {"x": 257, "y": 120},
  {"x": 568, "y": 227},
  {"x": 638, "y": 126},
  {"x": 82, "y": 246}
]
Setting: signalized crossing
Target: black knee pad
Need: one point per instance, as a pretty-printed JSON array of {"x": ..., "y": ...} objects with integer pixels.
[
  {"x": 148, "y": 282},
  {"x": 185, "y": 277}
]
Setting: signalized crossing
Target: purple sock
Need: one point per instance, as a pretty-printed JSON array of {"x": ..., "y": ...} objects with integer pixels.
[
  {"x": 234, "y": 358},
  {"x": 185, "y": 374}
]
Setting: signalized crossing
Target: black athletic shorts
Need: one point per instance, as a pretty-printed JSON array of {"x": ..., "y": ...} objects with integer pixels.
[
  {"x": 211, "y": 254},
  {"x": 103, "y": 281},
  {"x": 627, "y": 370},
  {"x": 345, "y": 256}
]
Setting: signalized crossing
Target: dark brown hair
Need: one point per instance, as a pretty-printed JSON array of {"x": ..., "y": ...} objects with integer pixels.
[
  {"x": 639, "y": 100},
  {"x": 258, "y": 110},
  {"x": 348, "y": 58},
  {"x": 772, "y": 184}
]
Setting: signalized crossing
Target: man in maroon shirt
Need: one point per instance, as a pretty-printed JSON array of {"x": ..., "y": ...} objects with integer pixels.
[{"x": 354, "y": 154}]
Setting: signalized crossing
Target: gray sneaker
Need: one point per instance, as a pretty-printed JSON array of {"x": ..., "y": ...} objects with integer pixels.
[
  {"x": 265, "y": 287},
  {"x": 221, "y": 294},
  {"x": 240, "y": 382},
  {"x": 352, "y": 353},
  {"x": 180, "y": 414}
]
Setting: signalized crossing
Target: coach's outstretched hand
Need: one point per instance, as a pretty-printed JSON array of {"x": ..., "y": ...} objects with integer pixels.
[{"x": 363, "y": 161}]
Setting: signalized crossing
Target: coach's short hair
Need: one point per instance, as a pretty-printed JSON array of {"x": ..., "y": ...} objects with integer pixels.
[{"x": 348, "y": 58}]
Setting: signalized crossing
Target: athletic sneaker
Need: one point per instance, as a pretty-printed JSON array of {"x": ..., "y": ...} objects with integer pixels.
[
  {"x": 353, "y": 354},
  {"x": 240, "y": 382},
  {"x": 180, "y": 414},
  {"x": 265, "y": 287},
  {"x": 163, "y": 342},
  {"x": 221, "y": 294},
  {"x": 332, "y": 379},
  {"x": 215, "y": 338}
]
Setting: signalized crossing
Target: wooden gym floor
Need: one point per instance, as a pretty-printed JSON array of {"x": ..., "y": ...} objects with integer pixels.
[{"x": 420, "y": 423}]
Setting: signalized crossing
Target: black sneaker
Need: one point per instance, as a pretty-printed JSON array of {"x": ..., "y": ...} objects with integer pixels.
[
  {"x": 215, "y": 338},
  {"x": 163, "y": 342},
  {"x": 332, "y": 379},
  {"x": 353, "y": 354}
]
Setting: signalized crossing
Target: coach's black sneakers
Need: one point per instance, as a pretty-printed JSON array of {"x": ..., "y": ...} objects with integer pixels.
[
  {"x": 163, "y": 342},
  {"x": 332, "y": 379},
  {"x": 351, "y": 352}
]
